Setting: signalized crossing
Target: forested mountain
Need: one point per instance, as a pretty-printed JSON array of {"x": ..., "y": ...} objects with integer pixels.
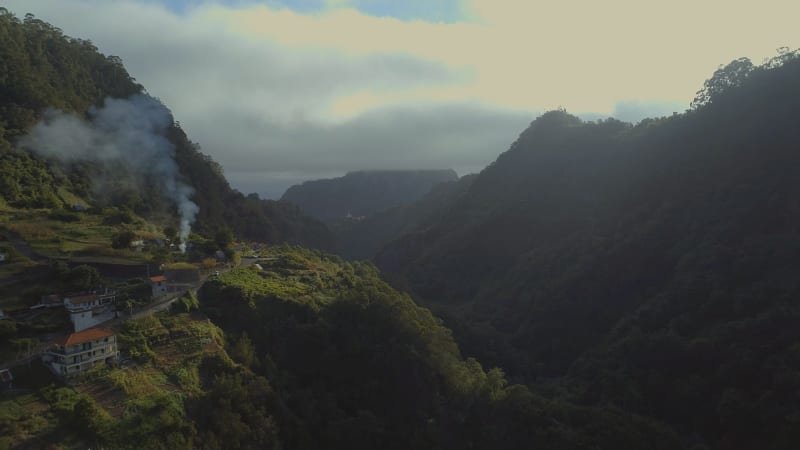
[
  {"x": 639, "y": 284},
  {"x": 358, "y": 365},
  {"x": 653, "y": 267},
  {"x": 364, "y": 193},
  {"x": 310, "y": 353},
  {"x": 364, "y": 238},
  {"x": 42, "y": 70}
]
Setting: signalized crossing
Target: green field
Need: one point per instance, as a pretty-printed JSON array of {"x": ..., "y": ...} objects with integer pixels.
[{"x": 87, "y": 236}]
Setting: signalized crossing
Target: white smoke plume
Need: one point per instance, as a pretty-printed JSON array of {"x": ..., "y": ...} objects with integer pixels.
[{"x": 131, "y": 131}]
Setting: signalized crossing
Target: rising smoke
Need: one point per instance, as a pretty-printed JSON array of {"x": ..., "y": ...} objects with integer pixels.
[{"x": 131, "y": 131}]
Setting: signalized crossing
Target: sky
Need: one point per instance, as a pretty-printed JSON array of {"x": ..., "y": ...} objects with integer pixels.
[{"x": 281, "y": 91}]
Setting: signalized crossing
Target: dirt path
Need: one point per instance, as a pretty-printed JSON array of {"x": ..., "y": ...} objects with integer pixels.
[{"x": 22, "y": 247}]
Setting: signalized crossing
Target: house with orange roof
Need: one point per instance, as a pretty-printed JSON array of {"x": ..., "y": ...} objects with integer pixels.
[
  {"x": 81, "y": 351},
  {"x": 159, "y": 285}
]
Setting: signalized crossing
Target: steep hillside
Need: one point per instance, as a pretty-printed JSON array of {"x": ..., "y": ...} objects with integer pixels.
[
  {"x": 312, "y": 353},
  {"x": 364, "y": 193},
  {"x": 45, "y": 74},
  {"x": 359, "y": 366},
  {"x": 178, "y": 389},
  {"x": 652, "y": 267}
]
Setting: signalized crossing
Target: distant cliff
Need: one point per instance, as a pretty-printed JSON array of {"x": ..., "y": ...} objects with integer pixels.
[{"x": 364, "y": 193}]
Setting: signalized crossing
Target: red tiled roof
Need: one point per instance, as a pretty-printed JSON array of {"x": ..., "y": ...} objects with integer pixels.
[
  {"x": 87, "y": 298},
  {"x": 92, "y": 334},
  {"x": 158, "y": 279}
]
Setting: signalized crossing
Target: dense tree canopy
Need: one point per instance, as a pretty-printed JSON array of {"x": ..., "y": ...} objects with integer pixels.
[
  {"x": 652, "y": 267},
  {"x": 364, "y": 193},
  {"x": 360, "y": 366}
]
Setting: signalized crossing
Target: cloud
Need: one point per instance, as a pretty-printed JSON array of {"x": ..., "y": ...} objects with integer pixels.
[
  {"x": 634, "y": 111},
  {"x": 448, "y": 11},
  {"x": 464, "y": 137},
  {"x": 338, "y": 85}
]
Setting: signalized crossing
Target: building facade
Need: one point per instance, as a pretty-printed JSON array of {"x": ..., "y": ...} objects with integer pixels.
[
  {"x": 81, "y": 301},
  {"x": 89, "y": 309},
  {"x": 159, "y": 285},
  {"x": 82, "y": 351}
]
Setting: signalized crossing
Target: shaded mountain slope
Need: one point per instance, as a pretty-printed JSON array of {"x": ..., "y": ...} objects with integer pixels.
[
  {"x": 652, "y": 267},
  {"x": 359, "y": 365},
  {"x": 364, "y": 193},
  {"x": 363, "y": 238}
]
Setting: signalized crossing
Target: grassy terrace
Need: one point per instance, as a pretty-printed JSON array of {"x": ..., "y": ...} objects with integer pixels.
[
  {"x": 15, "y": 264},
  {"x": 82, "y": 238},
  {"x": 25, "y": 416},
  {"x": 87, "y": 236},
  {"x": 163, "y": 357}
]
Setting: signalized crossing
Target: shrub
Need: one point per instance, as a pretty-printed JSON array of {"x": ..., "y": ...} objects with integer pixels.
[{"x": 64, "y": 215}]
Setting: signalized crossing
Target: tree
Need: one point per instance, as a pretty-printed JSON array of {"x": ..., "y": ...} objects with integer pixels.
[
  {"x": 223, "y": 237},
  {"x": 122, "y": 239},
  {"x": 243, "y": 351},
  {"x": 170, "y": 232},
  {"x": 60, "y": 270},
  {"x": 161, "y": 256},
  {"x": 724, "y": 78},
  {"x": 83, "y": 277},
  {"x": 208, "y": 263},
  {"x": 187, "y": 302}
]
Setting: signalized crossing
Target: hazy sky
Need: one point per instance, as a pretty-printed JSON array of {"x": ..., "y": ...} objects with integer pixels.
[{"x": 282, "y": 91}]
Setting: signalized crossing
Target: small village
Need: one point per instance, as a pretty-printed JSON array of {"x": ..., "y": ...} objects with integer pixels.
[{"x": 97, "y": 313}]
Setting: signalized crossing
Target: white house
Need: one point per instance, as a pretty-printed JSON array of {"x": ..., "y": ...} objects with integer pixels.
[
  {"x": 89, "y": 318},
  {"x": 88, "y": 309},
  {"x": 81, "y": 351},
  {"x": 81, "y": 301}
]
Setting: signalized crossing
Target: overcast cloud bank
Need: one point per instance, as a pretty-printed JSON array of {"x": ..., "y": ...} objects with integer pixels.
[{"x": 279, "y": 93}]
